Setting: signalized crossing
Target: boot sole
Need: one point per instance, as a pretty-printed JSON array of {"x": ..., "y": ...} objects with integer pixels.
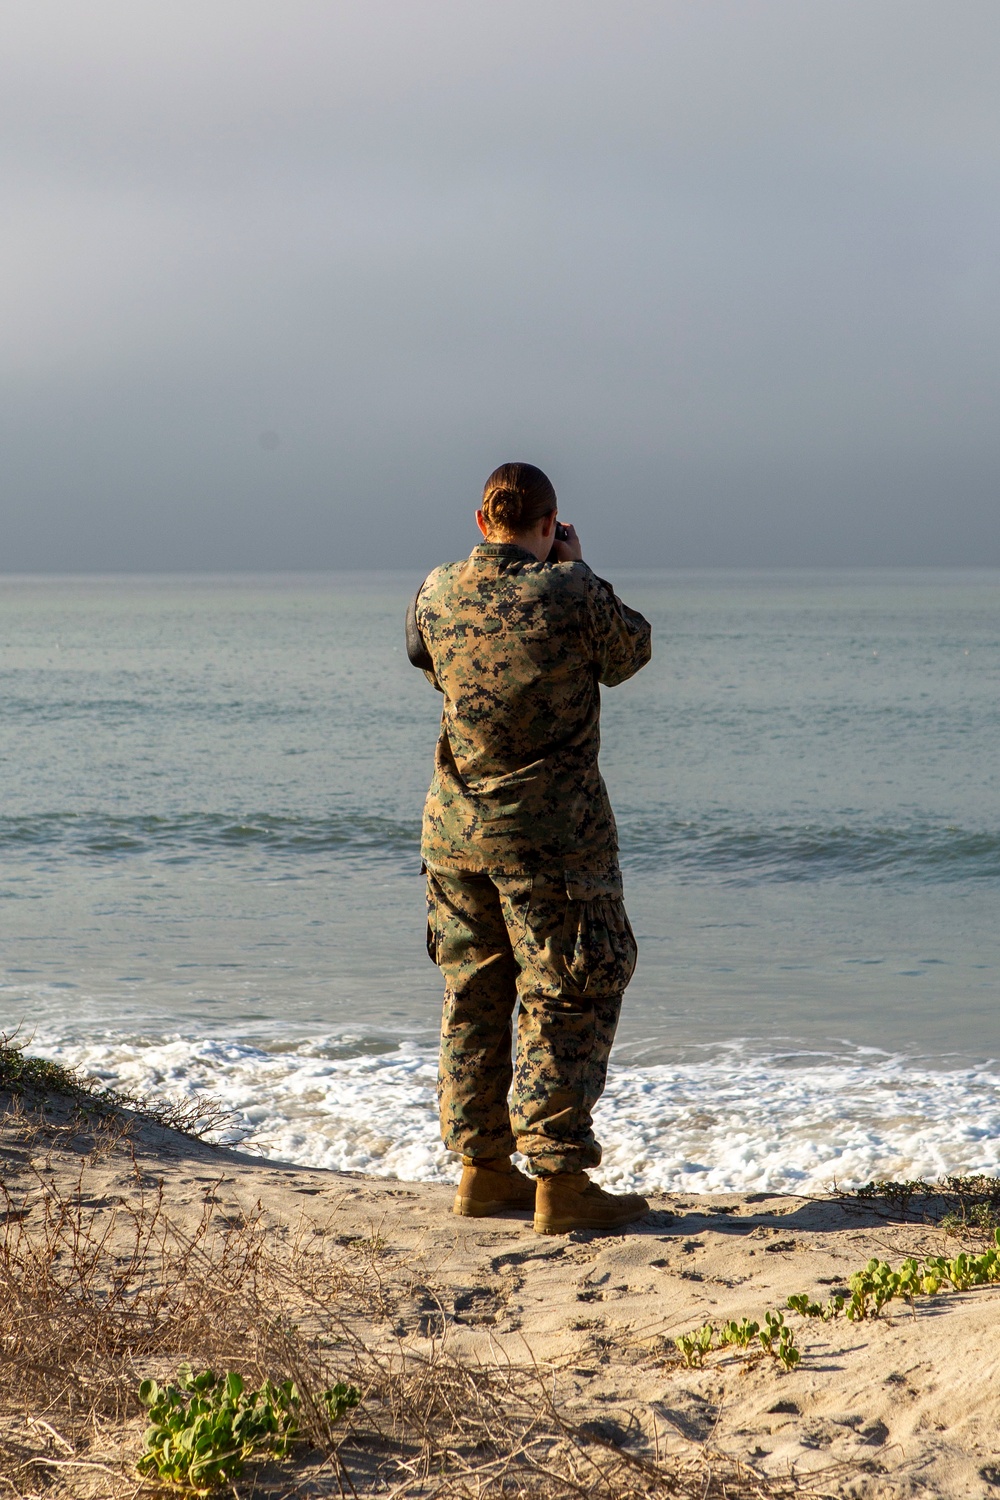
[
  {"x": 469, "y": 1208},
  {"x": 580, "y": 1221}
]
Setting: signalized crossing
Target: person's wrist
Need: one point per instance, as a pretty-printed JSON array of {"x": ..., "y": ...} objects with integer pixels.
[{"x": 567, "y": 548}]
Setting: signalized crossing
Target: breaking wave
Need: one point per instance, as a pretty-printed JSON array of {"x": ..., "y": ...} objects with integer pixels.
[
  {"x": 739, "y": 1122},
  {"x": 687, "y": 850}
]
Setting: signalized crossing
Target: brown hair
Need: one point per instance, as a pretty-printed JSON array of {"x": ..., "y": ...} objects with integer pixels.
[{"x": 516, "y": 496}]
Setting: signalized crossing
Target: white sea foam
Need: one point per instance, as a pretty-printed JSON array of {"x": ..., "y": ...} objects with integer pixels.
[{"x": 737, "y": 1123}]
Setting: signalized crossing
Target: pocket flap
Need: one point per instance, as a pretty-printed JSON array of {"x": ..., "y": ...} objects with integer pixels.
[{"x": 583, "y": 887}]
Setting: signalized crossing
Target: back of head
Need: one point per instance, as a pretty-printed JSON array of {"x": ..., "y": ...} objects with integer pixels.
[{"x": 516, "y": 496}]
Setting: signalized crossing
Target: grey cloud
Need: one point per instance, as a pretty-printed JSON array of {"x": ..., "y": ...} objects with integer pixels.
[{"x": 728, "y": 271}]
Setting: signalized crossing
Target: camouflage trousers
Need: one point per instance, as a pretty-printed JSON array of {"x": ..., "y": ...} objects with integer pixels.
[{"x": 562, "y": 946}]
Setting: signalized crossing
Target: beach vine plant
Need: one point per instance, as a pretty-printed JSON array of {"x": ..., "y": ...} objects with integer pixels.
[
  {"x": 870, "y": 1291},
  {"x": 695, "y": 1345},
  {"x": 879, "y": 1284},
  {"x": 203, "y": 1428},
  {"x": 775, "y": 1338}
]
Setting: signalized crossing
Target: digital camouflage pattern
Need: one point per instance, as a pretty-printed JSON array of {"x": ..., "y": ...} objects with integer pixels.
[
  {"x": 519, "y": 649},
  {"x": 563, "y": 944},
  {"x": 523, "y": 885}
]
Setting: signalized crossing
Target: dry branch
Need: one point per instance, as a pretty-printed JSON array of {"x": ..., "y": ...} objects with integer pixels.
[{"x": 94, "y": 1296}]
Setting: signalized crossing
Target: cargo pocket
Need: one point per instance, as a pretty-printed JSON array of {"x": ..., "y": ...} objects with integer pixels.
[
  {"x": 432, "y": 918},
  {"x": 515, "y": 900},
  {"x": 599, "y": 948}
]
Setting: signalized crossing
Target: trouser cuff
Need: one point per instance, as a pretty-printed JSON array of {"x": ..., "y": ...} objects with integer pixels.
[{"x": 575, "y": 1159}]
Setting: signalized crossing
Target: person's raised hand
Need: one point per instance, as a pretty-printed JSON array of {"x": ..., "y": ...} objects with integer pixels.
[{"x": 570, "y": 550}]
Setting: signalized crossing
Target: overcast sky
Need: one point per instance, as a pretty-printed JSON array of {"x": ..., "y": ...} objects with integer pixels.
[{"x": 281, "y": 282}]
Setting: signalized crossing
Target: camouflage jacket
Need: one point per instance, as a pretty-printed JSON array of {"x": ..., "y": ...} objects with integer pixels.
[{"x": 519, "y": 649}]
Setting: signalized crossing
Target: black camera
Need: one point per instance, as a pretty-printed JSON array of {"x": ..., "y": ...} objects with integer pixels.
[{"x": 561, "y": 535}]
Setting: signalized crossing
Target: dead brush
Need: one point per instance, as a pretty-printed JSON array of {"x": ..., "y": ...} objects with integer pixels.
[
  {"x": 67, "y": 1102},
  {"x": 98, "y": 1293},
  {"x": 88, "y": 1288},
  {"x": 94, "y": 1298},
  {"x": 434, "y": 1426}
]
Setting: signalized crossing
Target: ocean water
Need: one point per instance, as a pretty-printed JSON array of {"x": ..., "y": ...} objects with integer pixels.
[{"x": 209, "y": 873}]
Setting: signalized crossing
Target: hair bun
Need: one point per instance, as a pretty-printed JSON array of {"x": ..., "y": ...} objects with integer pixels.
[
  {"x": 503, "y": 508},
  {"x": 516, "y": 496}
]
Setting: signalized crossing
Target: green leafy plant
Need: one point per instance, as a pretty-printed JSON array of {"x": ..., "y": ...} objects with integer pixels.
[
  {"x": 871, "y": 1289},
  {"x": 776, "y": 1339},
  {"x": 877, "y": 1284},
  {"x": 897, "y": 1194},
  {"x": 741, "y": 1334},
  {"x": 204, "y": 1428},
  {"x": 773, "y": 1323},
  {"x": 339, "y": 1400},
  {"x": 806, "y": 1308},
  {"x": 695, "y": 1345}
]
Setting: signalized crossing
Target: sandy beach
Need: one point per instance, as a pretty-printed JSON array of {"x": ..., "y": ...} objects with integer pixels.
[{"x": 903, "y": 1404}]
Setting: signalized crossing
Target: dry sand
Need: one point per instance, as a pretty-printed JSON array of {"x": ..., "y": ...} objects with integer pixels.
[{"x": 908, "y": 1404}]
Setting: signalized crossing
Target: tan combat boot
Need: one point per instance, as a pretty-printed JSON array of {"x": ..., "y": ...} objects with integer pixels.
[
  {"x": 490, "y": 1186},
  {"x": 569, "y": 1200}
]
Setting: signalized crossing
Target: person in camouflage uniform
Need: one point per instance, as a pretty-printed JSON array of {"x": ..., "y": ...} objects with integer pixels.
[{"x": 520, "y": 848}]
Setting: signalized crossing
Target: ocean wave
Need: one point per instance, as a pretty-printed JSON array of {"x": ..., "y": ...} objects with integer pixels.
[
  {"x": 194, "y": 834},
  {"x": 810, "y": 851},
  {"x": 719, "y": 849},
  {"x": 737, "y": 1123}
]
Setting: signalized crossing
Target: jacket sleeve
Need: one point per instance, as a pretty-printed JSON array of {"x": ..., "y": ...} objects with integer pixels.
[
  {"x": 416, "y": 649},
  {"x": 416, "y": 646},
  {"x": 622, "y": 637}
]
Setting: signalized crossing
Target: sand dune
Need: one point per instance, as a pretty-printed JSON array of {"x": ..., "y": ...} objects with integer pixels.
[{"x": 903, "y": 1405}]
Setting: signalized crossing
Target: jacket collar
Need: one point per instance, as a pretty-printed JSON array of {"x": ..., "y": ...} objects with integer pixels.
[{"x": 502, "y": 549}]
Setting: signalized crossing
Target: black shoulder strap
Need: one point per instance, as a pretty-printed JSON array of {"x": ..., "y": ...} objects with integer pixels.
[{"x": 416, "y": 647}]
